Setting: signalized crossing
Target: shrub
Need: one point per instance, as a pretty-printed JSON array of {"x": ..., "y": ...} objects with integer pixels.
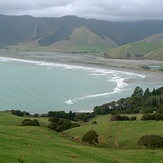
[
  {"x": 125, "y": 118},
  {"x": 85, "y": 116},
  {"x": 118, "y": 117},
  {"x": 151, "y": 141},
  {"x": 90, "y": 137},
  {"x": 28, "y": 122},
  {"x": 94, "y": 122},
  {"x": 147, "y": 117},
  {"x": 52, "y": 126},
  {"x": 53, "y": 119},
  {"x": 35, "y": 122},
  {"x": 36, "y": 115},
  {"x": 74, "y": 125},
  {"x": 63, "y": 124},
  {"x": 158, "y": 116},
  {"x": 133, "y": 118},
  {"x": 155, "y": 116},
  {"x": 60, "y": 125}
]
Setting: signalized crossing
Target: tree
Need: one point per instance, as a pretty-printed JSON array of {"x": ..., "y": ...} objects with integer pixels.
[
  {"x": 17, "y": 112},
  {"x": 138, "y": 91},
  {"x": 90, "y": 137},
  {"x": 147, "y": 92}
]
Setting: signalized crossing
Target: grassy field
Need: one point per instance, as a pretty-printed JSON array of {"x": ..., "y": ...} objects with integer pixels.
[
  {"x": 118, "y": 134},
  {"x": 41, "y": 145}
]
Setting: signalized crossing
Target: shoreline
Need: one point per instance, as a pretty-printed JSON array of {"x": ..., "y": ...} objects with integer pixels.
[
  {"x": 149, "y": 79},
  {"x": 134, "y": 66}
]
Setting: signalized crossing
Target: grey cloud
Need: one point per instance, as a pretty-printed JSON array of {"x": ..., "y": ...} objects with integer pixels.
[{"x": 114, "y": 10}]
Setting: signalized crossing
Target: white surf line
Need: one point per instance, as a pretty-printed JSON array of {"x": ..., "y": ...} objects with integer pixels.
[{"x": 95, "y": 71}]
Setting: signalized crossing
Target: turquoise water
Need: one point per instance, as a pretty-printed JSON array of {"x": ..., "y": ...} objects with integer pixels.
[{"x": 39, "y": 87}]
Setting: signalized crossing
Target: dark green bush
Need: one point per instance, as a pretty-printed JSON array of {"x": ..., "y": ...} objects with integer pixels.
[
  {"x": 125, "y": 118},
  {"x": 155, "y": 116},
  {"x": 151, "y": 141},
  {"x": 28, "y": 122},
  {"x": 35, "y": 122},
  {"x": 118, "y": 117},
  {"x": 53, "y": 119},
  {"x": 36, "y": 115},
  {"x": 90, "y": 137},
  {"x": 94, "y": 122},
  {"x": 63, "y": 124},
  {"x": 52, "y": 126},
  {"x": 133, "y": 118},
  {"x": 74, "y": 125},
  {"x": 60, "y": 125},
  {"x": 147, "y": 117},
  {"x": 85, "y": 116},
  {"x": 20, "y": 113},
  {"x": 158, "y": 116},
  {"x": 17, "y": 112}
]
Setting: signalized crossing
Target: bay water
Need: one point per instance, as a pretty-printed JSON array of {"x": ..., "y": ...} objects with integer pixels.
[{"x": 38, "y": 87}]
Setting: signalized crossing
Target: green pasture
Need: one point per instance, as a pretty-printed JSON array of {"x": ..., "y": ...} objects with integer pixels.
[
  {"x": 41, "y": 145},
  {"x": 118, "y": 134}
]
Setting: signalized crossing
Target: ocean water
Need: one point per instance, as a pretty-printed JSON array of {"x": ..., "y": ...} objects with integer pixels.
[{"x": 39, "y": 87}]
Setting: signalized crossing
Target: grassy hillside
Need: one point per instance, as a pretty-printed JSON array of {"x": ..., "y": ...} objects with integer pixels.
[
  {"x": 82, "y": 40},
  {"x": 149, "y": 48},
  {"x": 118, "y": 134},
  {"x": 38, "y": 144}
]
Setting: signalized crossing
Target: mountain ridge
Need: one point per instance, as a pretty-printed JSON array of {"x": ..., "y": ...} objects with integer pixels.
[{"x": 41, "y": 33}]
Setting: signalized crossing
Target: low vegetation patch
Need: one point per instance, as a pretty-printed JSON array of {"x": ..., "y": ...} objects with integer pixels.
[
  {"x": 29, "y": 122},
  {"x": 118, "y": 117},
  {"x": 155, "y": 116},
  {"x": 19, "y": 113},
  {"x": 151, "y": 141},
  {"x": 60, "y": 125},
  {"x": 90, "y": 137}
]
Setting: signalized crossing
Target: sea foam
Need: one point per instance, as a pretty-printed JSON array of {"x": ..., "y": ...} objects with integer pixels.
[{"x": 94, "y": 71}]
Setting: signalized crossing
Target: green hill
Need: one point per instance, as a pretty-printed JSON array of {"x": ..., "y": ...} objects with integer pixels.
[
  {"x": 39, "y": 144},
  {"x": 118, "y": 134},
  {"x": 149, "y": 48},
  {"x": 82, "y": 40}
]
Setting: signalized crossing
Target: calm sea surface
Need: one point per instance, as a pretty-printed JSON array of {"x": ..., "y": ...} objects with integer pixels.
[{"x": 39, "y": 87}]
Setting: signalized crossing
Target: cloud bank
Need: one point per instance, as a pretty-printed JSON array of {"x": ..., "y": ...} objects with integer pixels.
[{"x": 117, "y": 10}]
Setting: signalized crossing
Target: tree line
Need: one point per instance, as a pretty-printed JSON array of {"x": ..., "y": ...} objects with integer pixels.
[
  {"x": 139, "y": 102},
  {"x": 144, "y": 102}
]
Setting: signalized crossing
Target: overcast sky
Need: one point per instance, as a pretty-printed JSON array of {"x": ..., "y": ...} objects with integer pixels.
[{"x": 112, "y": 10}]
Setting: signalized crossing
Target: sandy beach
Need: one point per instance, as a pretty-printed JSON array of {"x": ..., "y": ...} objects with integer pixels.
[{"x": 92, "y": 61}]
